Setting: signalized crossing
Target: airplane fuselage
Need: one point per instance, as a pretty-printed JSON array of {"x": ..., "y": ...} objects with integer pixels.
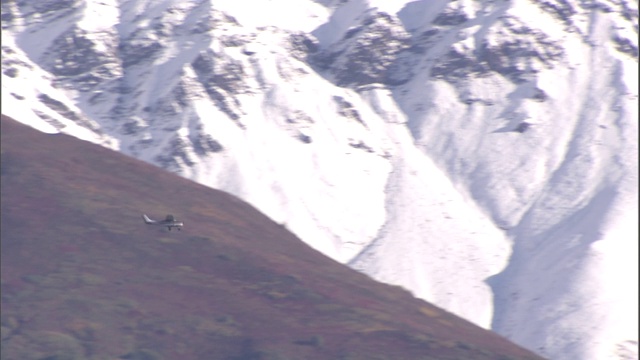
[{"x": 175, "y": 224}]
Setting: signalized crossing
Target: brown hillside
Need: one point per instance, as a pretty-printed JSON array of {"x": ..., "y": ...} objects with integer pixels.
[{"x": 84, "y": 278}]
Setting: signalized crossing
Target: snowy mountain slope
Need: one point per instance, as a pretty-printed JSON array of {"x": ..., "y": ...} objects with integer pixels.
[
  {"x": 554, "y": 184},
  {"x": 481, "y": 154}
]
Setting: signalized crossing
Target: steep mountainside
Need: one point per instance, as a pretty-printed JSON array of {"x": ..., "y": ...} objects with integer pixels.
[
  {"x": 84, "y": 278},
  {"x": 482, "y": 154}
]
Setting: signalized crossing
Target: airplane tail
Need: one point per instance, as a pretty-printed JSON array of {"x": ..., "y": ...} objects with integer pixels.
[{"x": 147, "y": 220}]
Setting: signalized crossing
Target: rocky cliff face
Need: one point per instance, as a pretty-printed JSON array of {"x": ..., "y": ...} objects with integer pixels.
[{"x": 452, "y": 147}]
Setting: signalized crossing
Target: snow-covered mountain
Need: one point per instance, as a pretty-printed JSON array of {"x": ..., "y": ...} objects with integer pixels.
[{"x": 482, "y": 154}]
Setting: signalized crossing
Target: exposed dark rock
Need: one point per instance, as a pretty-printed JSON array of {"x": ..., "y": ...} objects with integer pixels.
[
  {"x": 304, "y": 138},
  {"x": 85, "y": 82},
  {"x": 522, "y": 127},
  {"x": 122, "y": 109},
  {"x": 351, "y": 32},
  {"x": 361, "y": 145},
  {"x": 299, "y": 117},
  {"x": 346, "y": 109},
  {"x": 176, "y": 155},
  {"x": 468, "y": 99},
  {"x": 203, "y": 25},
  {"x": 72, "y": 53},
  {"x": 64, "y": 111},
  {"x": 230, "y": 77},
  {"x": 629, "y": 13},
  {"x": 217, "y": 71},
  {"x": 368, "y": 55},
  {"x": 455, "y": 66},
  {"x": 422, "y": 42},
  {"x": 10, "y": 72},
  {"x": 177, "y": 98},
  {"x": 7, "y": 50},
  {"x": 48, "y": 10},
  {"x": 205, "y": 143},
  {"x": 131, "y": 128},
  {"x": 511, "y": 56},
  {"x": 450, "y": 17},
  {"x": 138, "y": 49},
  {"x": 7, "y": 14},
  {"x": 203, "y": 63},
  {"x": 222, "y": 78},
  {"x": 51, "y": 121},
  {"x": 74, "y": 56},
  {"x": 302, "y": 46},
  {"x": 297, "y": 122},
  {"x": 596, "y": 6},
  {"x": 539, "y": 95},
  {"x": 560, "y": 9},
  {"x": 226, "y": 103},
  {"x": 402, "y": 69},
  {"x": 211, "y": 19},
  {"x": 248, "y": 52},
  {"x": 626, "y": 46},
  {"x": 505, "y": 57},
  {"x": 48, "y": 6},
  {"x": 167, "y": 109},
  {"x": 122, "y": 87},
  {"x": 233, "y": 40},
  {"x": 57, "y": 106},
  {"x": 324, "y": 59}
]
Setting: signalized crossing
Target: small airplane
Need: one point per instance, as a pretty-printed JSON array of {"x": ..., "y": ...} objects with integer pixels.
[{"x": 169, "y": 222}]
